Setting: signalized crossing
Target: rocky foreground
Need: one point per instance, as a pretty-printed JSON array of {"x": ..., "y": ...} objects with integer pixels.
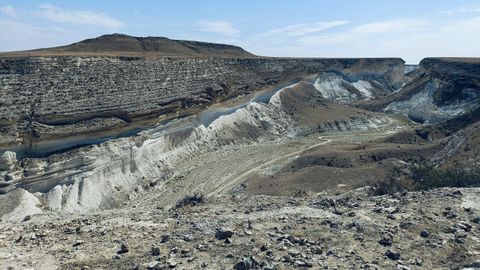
[{"x": 437, "y": 229}]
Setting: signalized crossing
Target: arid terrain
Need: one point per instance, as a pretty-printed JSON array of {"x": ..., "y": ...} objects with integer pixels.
[{"x": 149, "y": 153}]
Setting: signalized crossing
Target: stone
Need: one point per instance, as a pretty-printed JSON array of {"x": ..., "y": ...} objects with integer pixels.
[
  {"x": 449, "y": 214},
  {"x": 300, "y": 263},
  {"x": 9, "y": 177},
  {"x": 464, "y": 226},
  {"x": 124, "y": 248},
  {"x": 202, "y": 247},
  {"x": 460, "y": 234},
  {"x": 287, "y": 258},
  {"x": 406, "y": 225},
  {"x": 476, "y": 220},
  {"x": 332, "y": 251},
  {"x": 187, "y": 238},
  {"x": 417, "y": 262},
  {"x": 174, "y": 250},
  {"x": 186, "y": 252},
  {"x": 156, "y": 266},
  {"x": 293, "y": 239},
  {"x": 424, "y": 233},
  {"x": 460, "y": 240},
  {"x": 392, "y": 255},
  {"x": 247, "y": 263},
  {"x": 293, "y": 252},
  {"x": 224, "y": 233},
  {"x": 155, "y": 251},
  {"x": 472, "y": 265},
  {"x": 78, "y": 243},
  {"x": 391, "y": 216},
  {"x": 316, "y": 250},
  {"x": 165, "y": 238},
  {"x": 451, "y": 230},
  {"x": 8, "y": 159},
  {"x": 385, "y": 241},
  {"x": 171, "y": 264}
]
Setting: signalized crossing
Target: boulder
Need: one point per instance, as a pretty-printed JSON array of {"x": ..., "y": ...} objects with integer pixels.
[{"x": 392, "y": 255}]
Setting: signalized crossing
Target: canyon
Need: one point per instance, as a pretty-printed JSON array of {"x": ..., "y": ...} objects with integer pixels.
[{"x": 131, "y": 136}]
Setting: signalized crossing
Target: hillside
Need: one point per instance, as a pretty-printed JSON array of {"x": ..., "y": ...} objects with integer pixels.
[{"x": 125, "y": 45}]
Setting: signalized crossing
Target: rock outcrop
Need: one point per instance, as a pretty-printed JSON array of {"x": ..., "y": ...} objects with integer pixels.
[
  {"x": 91, "y": 121},
  {"x": 101, "y": 176},
  {"x": 8, "y": 160},
  {"x": 56, "y": 103},
  {"x": 439, "y": 90}
]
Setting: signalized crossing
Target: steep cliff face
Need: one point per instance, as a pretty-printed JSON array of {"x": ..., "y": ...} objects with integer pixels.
[
  {"x": 104, "y": 175},
  {"x": 55, "y": 103},
  {"x": 85, "y": 124},
  {"x": 439, "y": 90},
  {"x": 457, "y": 79}
]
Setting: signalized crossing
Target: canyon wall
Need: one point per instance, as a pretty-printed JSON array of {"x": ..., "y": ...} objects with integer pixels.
[
  {"x": 165, "y": 109},
  {"x": 56, "y": 103},
  {"x": 439, "y": 90}
]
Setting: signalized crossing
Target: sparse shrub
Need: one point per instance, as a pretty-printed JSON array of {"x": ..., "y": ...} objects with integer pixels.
[
  {"x": 423, "y": 176},
  {"x": 191, "y": 200},
  {"x": 427, "y": 177},
  {"x": 393, "y": 184}
]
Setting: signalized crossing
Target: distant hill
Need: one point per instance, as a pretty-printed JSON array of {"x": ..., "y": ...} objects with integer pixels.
[{"x": 125, "y": 45}]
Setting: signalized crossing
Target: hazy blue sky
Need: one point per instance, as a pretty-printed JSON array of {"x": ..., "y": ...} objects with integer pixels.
[{"x": 411, "y": 29}]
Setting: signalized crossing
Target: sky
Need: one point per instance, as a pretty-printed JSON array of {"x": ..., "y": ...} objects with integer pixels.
[{"x": 410, "y": 29}]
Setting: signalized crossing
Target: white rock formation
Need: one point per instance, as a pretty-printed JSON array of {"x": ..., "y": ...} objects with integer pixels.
[
  {"x": 15, "y": 205},
  {"x": 421, "y": 107},
  {"x": 8, "y": 160},
  {"x": 104, "y": 175},
  {"x": 333, "y": 87}
]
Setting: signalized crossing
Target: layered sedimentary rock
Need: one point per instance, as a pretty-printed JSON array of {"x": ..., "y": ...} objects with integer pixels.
[
  {"x": 440, "y": 89},
  {"x": 55, "y": 103},
  {"x": 87, "y": 123},
  {"x": 103, "y": 175}
]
